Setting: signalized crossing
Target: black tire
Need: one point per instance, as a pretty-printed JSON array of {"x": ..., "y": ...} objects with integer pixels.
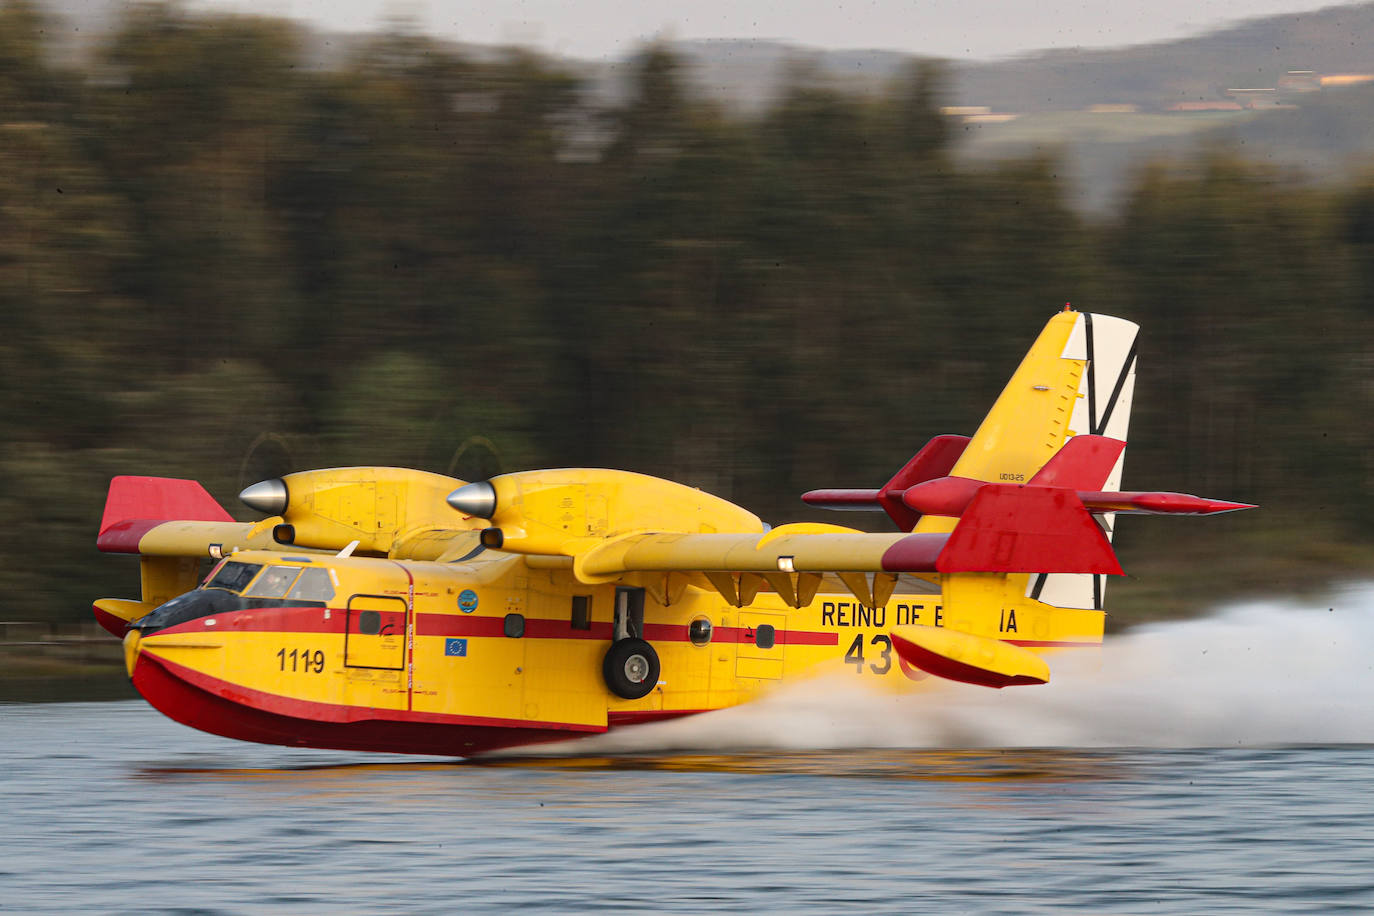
[{"x": 629, "y": 659}]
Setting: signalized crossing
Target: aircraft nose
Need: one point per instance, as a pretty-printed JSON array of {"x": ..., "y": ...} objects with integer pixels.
[{"x": 132, "y": 638}]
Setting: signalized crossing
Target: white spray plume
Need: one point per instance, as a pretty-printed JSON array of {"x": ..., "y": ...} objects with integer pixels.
[{"x": 1257, "y": 673}]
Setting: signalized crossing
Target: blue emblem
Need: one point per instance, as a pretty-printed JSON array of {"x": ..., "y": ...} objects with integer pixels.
[
  {"x": 467, "y": 600},
  {"x": 456, "y": 648}
]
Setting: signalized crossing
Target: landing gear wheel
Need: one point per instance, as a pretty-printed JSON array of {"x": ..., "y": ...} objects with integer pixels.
[{"x": 631, "y": 668}]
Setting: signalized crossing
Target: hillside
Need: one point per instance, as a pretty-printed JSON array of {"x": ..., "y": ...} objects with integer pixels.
[
  {"x": 1253, "y": 54},
  {"x": 1320, "y": 135}
]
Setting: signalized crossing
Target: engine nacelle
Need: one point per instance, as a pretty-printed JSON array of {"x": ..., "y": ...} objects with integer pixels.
[
  {"x": 546, "y": 512},
  {"x": 377, "y": 507}
]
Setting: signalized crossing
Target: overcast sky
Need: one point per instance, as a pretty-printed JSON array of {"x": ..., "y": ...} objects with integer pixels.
[{"x": 947, "y": 28}]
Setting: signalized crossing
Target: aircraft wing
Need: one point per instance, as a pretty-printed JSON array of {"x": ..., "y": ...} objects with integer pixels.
[
  {"x": 1004, "y": 529},
  {"x": 820, "y": 552},
  {"x": 164, "y": 517},
  {"x": 157, "y": 538}
]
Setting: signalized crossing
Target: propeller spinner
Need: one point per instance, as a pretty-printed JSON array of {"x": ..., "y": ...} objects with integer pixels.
[{"x": 267, "y": 496}]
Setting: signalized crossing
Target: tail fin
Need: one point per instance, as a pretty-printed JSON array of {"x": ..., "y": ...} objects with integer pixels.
[
  {"x": 1077, "y": 378},
  {"x": 1024, "y": 496},
  {"x": 1035, "y": 489}
]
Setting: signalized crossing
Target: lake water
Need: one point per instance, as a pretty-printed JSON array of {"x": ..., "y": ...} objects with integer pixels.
[{"x": 1225, "y": 764}]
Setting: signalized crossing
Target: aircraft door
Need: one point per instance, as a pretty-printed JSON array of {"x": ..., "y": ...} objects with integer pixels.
[
  {"x": 375, "y": 634},
  {"x": 761, "y": 641}
]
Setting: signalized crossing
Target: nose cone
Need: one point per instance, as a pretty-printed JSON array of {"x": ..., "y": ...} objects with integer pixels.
[
  {"x": 475, "y": 499},
  {"x": 267, "y": 496}
]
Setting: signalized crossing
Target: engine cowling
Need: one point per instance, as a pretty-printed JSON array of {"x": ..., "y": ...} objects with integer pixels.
[
  {"x": 548, "y": 511},
  {"x": 377, "y": 507}
]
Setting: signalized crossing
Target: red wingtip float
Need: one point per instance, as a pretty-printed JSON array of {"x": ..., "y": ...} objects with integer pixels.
[{"x": 394, "y": 610}]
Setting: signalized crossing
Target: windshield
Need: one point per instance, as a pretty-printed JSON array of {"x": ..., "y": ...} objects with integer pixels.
[
  {"x": 274, "y": 582},
  {"x": 233, "y": 576},
  {"x": 205, "y": 602}
]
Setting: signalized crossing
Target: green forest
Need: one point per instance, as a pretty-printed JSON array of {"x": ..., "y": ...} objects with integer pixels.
[{"x": 218, "y": 262}]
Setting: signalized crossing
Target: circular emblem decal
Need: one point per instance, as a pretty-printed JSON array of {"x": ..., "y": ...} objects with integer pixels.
[{"x": 467, "y": 601}]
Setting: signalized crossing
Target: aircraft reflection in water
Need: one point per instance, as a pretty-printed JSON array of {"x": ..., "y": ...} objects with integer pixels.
[
  {"x": 384, "y": 609},
  {"x": 1030, "y": 764},
  {"x": 1034, "y": 764}
]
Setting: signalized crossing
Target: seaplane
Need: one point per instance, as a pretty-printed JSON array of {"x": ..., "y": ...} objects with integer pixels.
[{"x": 393, "y": 610}]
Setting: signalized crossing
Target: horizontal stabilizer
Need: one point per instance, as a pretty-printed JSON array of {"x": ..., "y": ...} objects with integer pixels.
[
  {"x": 959, "y": 656},
  {"x": 934, "y": 460},
  {"x": 1083, "y": 463}
]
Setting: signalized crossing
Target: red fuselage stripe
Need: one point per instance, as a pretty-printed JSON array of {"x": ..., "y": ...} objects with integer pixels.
[{"x": 312, "y": 620}]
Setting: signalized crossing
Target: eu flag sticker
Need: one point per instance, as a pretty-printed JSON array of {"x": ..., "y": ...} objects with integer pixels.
[{"x": 456, "y": 647}]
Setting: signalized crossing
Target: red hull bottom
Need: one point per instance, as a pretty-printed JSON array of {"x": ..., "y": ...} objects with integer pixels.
[{"x": 202, "y": 710}]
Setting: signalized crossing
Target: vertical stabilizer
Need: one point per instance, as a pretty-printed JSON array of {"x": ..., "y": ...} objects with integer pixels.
[{"x": 1077, "y": 378}]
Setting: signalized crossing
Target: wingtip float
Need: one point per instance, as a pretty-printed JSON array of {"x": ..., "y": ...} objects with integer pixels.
[{"x": 385, "y": 609}]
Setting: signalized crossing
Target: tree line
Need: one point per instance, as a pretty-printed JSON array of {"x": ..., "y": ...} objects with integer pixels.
[{"x": 219, "y": 261}]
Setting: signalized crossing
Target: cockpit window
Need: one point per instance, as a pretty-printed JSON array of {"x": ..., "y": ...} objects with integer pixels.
[
  {"x": 274, "y": 582},
  {"x": 234, "y": 576},
  {"x": 313, "y": 583},
  {"x": 207, "y": 602}
]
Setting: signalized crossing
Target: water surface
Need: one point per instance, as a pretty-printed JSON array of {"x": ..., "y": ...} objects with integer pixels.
[{"x": 1212, "y": 766}]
